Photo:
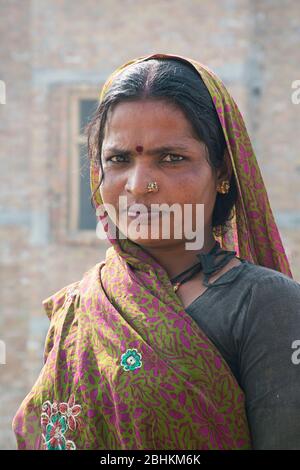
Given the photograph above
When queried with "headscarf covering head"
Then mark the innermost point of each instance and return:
(252, 231)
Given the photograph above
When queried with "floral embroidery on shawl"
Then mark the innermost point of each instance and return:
(131, 360)
(56, 420)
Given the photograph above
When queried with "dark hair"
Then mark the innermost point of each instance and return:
(178, 83)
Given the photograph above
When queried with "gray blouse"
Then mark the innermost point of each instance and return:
(252, 314)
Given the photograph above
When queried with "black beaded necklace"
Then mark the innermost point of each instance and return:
(207, 264)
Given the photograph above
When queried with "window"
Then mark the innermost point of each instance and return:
(82, 217)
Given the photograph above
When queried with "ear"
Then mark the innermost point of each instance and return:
(225, 171)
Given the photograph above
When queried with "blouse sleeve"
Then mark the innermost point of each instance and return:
(269, 363)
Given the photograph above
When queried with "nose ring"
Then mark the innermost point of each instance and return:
(152, 186)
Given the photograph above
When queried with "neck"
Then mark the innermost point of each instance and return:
(175, 258)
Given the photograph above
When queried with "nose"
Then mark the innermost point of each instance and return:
(138, 178)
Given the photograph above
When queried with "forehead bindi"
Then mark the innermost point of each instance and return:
(139, 148)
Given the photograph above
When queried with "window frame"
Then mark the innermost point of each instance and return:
(75, 139)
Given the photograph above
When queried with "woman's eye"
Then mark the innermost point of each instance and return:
(169, 158)
(119, 158)
(174, 158)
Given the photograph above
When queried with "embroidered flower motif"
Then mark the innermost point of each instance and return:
(131, 360)
(70, 410)
(56, 420)
(55, 430)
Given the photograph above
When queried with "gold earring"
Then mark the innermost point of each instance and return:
(223, 188)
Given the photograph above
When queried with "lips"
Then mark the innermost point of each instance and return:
(146, 210)
(147, 213)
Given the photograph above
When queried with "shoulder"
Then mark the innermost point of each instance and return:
(272, 311)
(56, 301)
(265, 281)
(247, 280)
(67, 294)
(247, 277)
(268, 304)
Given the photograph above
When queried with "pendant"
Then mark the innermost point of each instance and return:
(176, 286)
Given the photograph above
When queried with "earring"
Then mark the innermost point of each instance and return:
(223, 188)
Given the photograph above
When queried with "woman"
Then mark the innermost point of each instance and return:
(164, 346)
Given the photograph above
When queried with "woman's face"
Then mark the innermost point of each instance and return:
(182, 173)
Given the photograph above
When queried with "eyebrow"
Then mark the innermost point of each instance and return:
(155, 151)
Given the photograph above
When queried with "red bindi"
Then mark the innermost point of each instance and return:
(139, 148)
